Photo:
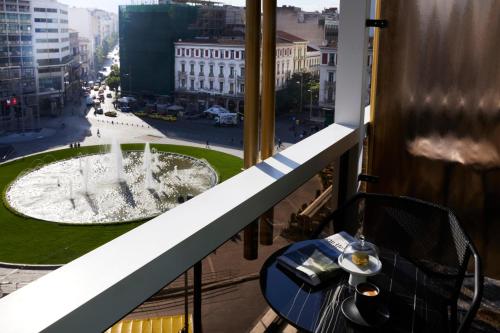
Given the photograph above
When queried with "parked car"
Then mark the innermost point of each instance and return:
(215, 111)
(108, 95)
(111, 114)
(89, 101)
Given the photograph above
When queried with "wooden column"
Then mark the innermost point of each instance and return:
(250, 131)
(268, 103)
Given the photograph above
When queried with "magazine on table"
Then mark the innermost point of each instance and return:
(316, 261)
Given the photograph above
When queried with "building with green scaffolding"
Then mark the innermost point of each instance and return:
(147, 36)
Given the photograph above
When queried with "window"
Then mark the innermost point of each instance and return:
(49, 84)
(46, 30)
(237, 54)
(178, 52)
(211, 85)
(202, 84)
(231, 88)
(46, 20)
(332, 61)
(227, 54)
(183, 68)
(231, 70)
(221, 70)
(242, 72)
(47, 50)
(212, 70)
(216, 53)
(221, 86)
(66, 48)
(232, 54)
(192, 69)
(197, 52)
(331, 77)
(51, 10)
(242, 88)
(206, 53)
(39, 10)
(183, 83)
(64, 13)
(183, 52)
(192, 85)
(201, 69)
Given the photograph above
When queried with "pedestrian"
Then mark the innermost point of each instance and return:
(78, 144)
(207, 145)
(98, 133)
(279, 143)
(71, 145)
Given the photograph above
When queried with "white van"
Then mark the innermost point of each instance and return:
(226, 119)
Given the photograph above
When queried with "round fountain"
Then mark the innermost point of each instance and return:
(109, 187)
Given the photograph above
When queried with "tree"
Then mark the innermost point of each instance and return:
(113, 80)
(288, 98)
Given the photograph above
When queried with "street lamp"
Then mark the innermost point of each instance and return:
(301, 82)
(310, 103)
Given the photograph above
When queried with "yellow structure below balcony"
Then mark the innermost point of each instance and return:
(167, 324)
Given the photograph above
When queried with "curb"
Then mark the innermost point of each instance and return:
(30, 266)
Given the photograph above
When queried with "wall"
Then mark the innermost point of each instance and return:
(437, 111)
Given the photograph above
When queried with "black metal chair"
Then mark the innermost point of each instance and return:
(427, 235)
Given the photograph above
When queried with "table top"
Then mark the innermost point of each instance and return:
(408, 293)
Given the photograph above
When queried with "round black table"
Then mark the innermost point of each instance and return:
(405, 289)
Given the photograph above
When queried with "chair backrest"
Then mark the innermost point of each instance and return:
(426, 234)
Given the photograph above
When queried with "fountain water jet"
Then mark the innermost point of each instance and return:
(117, 157)
(71, 190)
(85, 176)
(146, 162)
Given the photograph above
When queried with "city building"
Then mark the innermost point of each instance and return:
(299, 52)
(82, 20)
(74, 72)
(313, 59)
(328, 74)
(18, 99)
(147, 36)
(52, 53)
(314, 27)
(85, 57)
(211, 72)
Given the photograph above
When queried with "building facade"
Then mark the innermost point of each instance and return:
(211, 72)
(313, 60)
(73, 74)
(85, 57)
(52, 54)
(18, 99)
(328, 74)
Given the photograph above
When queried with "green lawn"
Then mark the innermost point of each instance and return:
(27, 240)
